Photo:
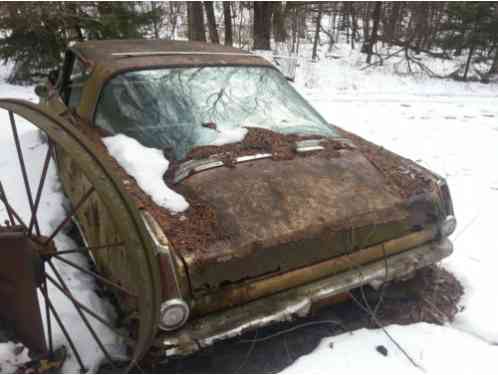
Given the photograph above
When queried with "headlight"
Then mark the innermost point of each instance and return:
(448, 225)
(174, 314)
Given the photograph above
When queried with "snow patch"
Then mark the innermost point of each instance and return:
(12, 356)
(226, 136)
(435, 349)
(147, 166)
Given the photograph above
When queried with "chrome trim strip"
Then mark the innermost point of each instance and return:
(242, 159)
(166, 53)
(286, 306)
(309, 148)
(161, 248)
(194, 166)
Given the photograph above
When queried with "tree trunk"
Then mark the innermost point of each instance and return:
(467, 64)
(195, 15)
(345, 20)
(155, 20)
(393, 22)
(494, 65)
(262, 24)
(211, 21)
(375, 27)
(354, 26)
(366, 27)
(317, 32)
(173, 18)
(294, 30)
(279, 31)
(227, 15)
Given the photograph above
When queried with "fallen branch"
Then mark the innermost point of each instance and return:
(406, 44)
(382, 60)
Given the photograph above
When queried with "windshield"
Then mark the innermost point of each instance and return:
(181, 108)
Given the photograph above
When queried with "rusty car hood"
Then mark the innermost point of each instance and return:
(286, 214)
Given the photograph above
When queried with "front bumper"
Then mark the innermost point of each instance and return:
(296, 302)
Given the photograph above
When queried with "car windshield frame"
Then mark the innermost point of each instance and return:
(329, 130)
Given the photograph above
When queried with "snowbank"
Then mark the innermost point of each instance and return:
(147, 166)
(435, 349)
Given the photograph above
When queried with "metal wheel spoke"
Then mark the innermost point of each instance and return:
(63, 328)
(23, 167)
(82, 315)
(96, 275)
(10, 210)
(3, 198)
(40, 189)
(86, 249)
(44, 291)
(120, 234)
(88, 311)
(70, 215)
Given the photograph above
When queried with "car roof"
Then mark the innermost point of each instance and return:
(152, 52)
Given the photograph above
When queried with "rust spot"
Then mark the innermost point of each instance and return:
(197, 228)
(402, 175)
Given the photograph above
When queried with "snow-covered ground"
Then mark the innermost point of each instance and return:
(450, 127)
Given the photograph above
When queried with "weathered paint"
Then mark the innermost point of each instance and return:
(253, 289)
(282, 215)
(296, 302)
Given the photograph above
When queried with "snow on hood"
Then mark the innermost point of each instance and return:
(226, 136)
(147, 166)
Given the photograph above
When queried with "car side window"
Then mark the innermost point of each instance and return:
(75, 83)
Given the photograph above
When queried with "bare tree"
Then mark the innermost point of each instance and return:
(317, 32)
(373, 38)
(195, 15)
(211, 21)
(262, 24)
(279, 15)
(227, 16)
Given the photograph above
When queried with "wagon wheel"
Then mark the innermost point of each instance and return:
(25, 240)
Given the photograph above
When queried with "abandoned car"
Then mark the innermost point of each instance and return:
(270, 211)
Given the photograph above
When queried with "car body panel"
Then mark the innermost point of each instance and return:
(286, 223)
(297, 302)
(281, 215)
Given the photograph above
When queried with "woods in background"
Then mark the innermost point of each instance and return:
(34, 35)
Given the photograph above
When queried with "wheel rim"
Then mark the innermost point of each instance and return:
(135, 245)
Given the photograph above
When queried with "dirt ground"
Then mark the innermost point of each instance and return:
(431, 296)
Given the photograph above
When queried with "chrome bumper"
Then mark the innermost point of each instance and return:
(296, 302)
